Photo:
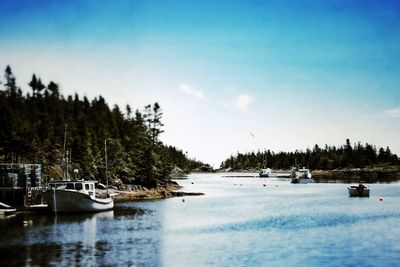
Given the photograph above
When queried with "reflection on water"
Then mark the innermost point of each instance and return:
(47, 239)
(239, 222)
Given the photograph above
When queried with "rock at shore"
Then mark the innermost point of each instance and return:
(204, 168)
(177, 173)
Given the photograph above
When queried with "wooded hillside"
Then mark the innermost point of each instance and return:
(327, 158)
(33, 128)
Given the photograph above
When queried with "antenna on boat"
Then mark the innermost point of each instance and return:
(266, 160)
(105, 153)
(66, 168)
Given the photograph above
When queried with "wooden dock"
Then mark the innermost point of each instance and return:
(6, 209)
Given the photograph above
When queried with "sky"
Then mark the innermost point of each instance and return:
(230, 76)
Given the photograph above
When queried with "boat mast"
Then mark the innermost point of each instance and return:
(64, 163)
(105, 153)
(266, 160)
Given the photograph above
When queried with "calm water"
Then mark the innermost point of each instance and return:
(239, 222)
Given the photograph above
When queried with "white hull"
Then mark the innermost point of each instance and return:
(355, 191)
(72, 201)
(265, 172)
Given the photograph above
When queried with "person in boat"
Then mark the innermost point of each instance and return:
(360, 188)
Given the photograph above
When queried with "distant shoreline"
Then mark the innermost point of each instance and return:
(373, 175)
(369, 175)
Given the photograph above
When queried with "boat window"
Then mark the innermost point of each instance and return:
(70, 186)
(78, 186)
(86, 186)
(91, 186)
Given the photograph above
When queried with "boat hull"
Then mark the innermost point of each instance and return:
(265, 172)
(302, 180)
(72, 201)
(355, 191)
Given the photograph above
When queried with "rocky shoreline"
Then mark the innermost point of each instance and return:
(369, 175)
(136, 192)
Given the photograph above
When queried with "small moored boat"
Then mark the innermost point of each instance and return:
(359, 190)
(301, 176)
(265, 172)
(76, 196)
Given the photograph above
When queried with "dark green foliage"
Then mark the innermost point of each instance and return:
(33, 126)
(328, 158)
(152, 117)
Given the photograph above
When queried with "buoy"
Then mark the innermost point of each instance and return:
(264, 185)
(183, 200)
(381, 199)
(276, 185)
(192, 182)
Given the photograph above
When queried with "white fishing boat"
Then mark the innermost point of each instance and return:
(359, 190)
(265, 172)
(76, 196)
(301, 176)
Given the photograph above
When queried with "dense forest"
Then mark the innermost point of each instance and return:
(327, 158)
(34, 126)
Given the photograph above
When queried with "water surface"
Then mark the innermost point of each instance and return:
(239, 222)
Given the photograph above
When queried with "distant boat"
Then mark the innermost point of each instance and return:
(359, 190)
(75, 196)
(265, 172)
(301, 176)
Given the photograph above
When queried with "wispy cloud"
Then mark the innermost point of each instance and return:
(187, 89)
(393, 112)
(241, 103)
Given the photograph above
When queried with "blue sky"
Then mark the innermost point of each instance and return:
(291, 73)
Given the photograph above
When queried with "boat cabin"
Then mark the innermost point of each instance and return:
(86, 187)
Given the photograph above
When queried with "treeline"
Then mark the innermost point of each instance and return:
(327, 158)
(32, 129)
